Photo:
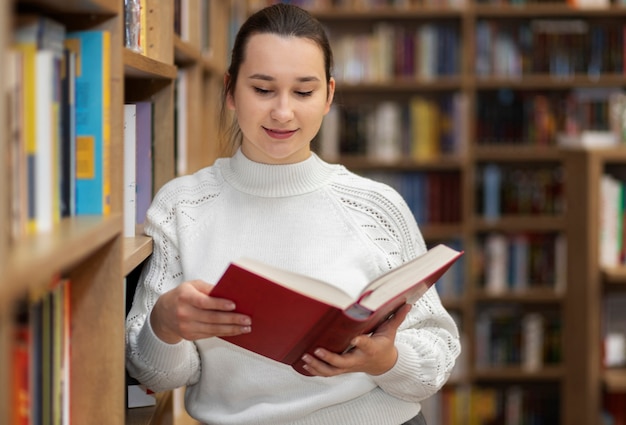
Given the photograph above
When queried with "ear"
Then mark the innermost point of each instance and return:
(331, 95)
(230, 101)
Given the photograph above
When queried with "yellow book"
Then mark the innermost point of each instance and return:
(40, 41)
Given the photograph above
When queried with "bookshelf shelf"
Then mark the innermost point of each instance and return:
(140, 66)
(135, 251)
(100, 7)
(78, 238)
(547, 10)
(503, 374)
(531, 223)
(401, 86)
(548, 82)
(529, 296)
(185, 53)
(382, 13)
(442, 231)
(362, 162)
(614, 275)
(517, 153)
(615, 379)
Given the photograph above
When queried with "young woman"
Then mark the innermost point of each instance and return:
(276, 201)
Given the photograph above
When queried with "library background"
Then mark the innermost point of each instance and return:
(502, 123)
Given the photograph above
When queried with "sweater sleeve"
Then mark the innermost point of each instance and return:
(154, 363)
(428, 345)
(428, 341)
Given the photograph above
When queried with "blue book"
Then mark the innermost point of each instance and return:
(93, 185)
(492, 181)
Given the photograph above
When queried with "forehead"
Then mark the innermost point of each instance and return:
(277, 55)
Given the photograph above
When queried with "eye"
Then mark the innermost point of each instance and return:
(304, 93)
(261, 91)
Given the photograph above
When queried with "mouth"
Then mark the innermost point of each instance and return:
(279, 134)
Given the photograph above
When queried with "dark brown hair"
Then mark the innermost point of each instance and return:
(285, 20)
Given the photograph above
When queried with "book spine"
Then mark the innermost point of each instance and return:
(93, 186)
(130, 174)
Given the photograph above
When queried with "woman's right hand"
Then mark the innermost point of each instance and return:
(189, 312)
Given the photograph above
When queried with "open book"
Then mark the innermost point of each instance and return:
(293, 314)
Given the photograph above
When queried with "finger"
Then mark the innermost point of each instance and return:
(200, 297)
(317, 367)
(214, 317)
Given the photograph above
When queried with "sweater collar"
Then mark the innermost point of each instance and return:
(270, 180)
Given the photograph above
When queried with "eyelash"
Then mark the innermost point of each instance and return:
(299, 93)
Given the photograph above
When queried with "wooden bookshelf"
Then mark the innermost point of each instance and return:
(93, 254)
(90, 250)
(588, 284)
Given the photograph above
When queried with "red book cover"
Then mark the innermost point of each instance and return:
(294, 314)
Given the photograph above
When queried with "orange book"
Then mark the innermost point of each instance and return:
(20, 369)
(293, 314)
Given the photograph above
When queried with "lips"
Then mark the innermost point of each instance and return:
(279, 134)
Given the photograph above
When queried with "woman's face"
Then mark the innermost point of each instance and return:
(280, 98)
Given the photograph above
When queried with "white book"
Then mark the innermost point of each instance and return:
(130, 173)
(45, 113)
(532, 341)
(496, 264)
(384, 138)
(181, 127)
(589, 139)
(610, 207)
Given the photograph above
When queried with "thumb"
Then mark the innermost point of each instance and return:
(392, 324)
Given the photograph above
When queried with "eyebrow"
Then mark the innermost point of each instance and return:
(269, 78)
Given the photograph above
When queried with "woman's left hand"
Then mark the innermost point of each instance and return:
(373, 354)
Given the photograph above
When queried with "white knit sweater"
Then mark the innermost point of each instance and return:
(313, 218)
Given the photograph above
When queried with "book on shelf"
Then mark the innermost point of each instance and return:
(181, 117)
(293, 314)
(39, 39)
(67, 168)
(93, 99)
(130, 167)
(17, 171)
(143, 157)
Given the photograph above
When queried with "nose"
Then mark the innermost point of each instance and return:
(282, 110)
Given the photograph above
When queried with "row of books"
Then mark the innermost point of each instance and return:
(511, 189)
(507, 336)
(433, 197)
(520, 262)
(548, 118)
(488, 405)
(393, 52)
(421, 128)
(559, 47)
(60, 131)
(41, 358)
